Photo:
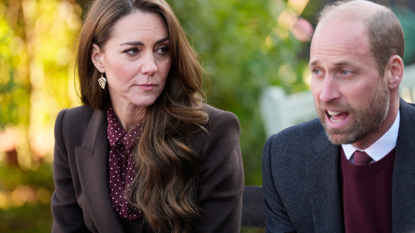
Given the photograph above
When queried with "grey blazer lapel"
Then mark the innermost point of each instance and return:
(91, 162)
(324, 180)
(403, 181)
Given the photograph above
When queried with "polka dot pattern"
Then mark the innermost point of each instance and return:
(121, 165)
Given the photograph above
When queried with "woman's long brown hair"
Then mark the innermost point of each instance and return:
(165, 187)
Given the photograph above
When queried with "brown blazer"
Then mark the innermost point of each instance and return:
(81, 202)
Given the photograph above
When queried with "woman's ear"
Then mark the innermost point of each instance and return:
(98, 58)
(394, 71)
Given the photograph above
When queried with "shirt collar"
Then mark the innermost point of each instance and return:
(381, 147)
(117, 134)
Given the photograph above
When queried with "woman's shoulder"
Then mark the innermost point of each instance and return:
(73, 124)
(220, 117)
(80, 111)
(222, 125)
(74, 118)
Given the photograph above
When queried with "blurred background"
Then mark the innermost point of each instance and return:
(245, 46)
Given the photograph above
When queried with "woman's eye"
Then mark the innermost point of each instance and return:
(132, 51)
(162, 50)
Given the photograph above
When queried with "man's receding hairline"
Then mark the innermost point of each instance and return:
(380, 24)
(353, 9)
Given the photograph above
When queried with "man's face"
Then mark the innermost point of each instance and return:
(351, 98)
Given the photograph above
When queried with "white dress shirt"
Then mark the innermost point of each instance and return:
(381, 147)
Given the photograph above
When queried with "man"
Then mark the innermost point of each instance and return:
(353, 169)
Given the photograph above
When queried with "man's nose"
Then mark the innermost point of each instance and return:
(329, 90)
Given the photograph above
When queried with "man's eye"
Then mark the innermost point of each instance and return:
(317, 71)
(346, 72)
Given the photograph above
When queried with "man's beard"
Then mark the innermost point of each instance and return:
(366, 119)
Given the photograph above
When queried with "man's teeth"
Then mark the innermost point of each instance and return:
(331, 114)
(334, 120)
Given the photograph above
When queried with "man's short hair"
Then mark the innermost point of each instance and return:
(384, 32)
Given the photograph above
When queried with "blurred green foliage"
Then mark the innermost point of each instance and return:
(36, 81)
(243, 48)
(28, 193)
(7, 72)
(407, 18)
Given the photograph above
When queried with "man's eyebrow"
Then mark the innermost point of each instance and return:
(140, 43)
(313, 62)
(341, 63)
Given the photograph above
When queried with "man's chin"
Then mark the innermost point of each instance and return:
(337, 136)
(336, 139)
(342, 138)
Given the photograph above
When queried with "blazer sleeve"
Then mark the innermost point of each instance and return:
(67, 215)
(277, 220)
(222, 179)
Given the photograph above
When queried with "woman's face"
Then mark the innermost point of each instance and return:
(136, 60)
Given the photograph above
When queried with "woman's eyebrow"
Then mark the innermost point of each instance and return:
(136, 43)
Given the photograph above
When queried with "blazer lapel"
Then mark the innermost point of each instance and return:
(324, 179)
(403, 181)
(92, 159)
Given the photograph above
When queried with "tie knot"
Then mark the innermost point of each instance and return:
(361, 158)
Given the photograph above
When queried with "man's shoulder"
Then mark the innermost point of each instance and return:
(407, 109)
(294, 145)
(304, 131)
(287, 155)
(407, 122)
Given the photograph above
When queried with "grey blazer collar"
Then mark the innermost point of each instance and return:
(403, 183)
(324, 180)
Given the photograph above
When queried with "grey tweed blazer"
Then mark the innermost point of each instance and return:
(81, 201)
(301, 179)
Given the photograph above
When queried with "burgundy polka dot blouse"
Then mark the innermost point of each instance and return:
(121, 165)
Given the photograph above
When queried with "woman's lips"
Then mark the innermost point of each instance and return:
(147, 87)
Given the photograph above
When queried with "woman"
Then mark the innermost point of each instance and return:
(144, 153)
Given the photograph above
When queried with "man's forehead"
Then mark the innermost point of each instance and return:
(353, 10)
(341, 40)
(340, 34)
(339, 28)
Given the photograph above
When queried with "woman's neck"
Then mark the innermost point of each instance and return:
(128, 115)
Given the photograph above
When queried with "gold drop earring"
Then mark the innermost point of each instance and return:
(102, 81)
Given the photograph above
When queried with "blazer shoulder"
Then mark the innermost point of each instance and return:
(76, 113)
(222, 126)
(407, 114)
(304, 132)
(293, 147)
(218, 117)
(72, 122)
(222, 123)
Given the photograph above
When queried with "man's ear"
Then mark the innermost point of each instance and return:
(97, 58)
(394, 71)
